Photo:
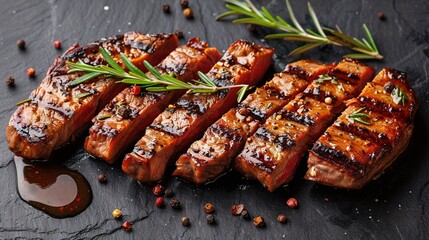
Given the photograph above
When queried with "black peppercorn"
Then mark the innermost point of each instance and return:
(168, 192)
(20, 43)
(184, 3)
(102, 178)
(381, 16)
(174, 203)
(10, 81)
(179, 34)
(282, 218)
(124, 111)
(185, 221)
(251, 27)
(210, 219)
(245, 215)
(166, 8)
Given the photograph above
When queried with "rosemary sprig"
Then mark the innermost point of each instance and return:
(399, 96)
(358, 116)
(325, 77)
(366, 48)
(157, 82)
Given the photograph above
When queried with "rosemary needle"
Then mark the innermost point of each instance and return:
(157, 82)
(365, 48)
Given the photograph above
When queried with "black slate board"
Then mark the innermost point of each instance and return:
(396, 206)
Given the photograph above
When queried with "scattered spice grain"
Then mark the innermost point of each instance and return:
(187, 12)
(117, 213)
(10, 81)
(185, 221)
(127, 226)
(209, 208)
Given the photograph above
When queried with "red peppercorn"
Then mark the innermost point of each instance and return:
(158, 190)
(127, 226)
(31, 72)
(236, 210)
(136, 90)
(57, 44)
(292, 203)
(159, 202)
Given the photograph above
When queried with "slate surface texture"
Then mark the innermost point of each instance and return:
(396, 206)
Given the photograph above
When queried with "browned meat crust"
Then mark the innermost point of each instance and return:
(129, 115)
(272, 154)
(55, 116)
(182, 122)
(211, 156)
(350, 154)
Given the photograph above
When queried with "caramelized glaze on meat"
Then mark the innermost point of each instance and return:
(55, 115)
(209, 157)
(123, 121)
(182, 122)
(272, 154)
(350, 154)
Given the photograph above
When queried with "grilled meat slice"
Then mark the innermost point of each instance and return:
(211, 156)
(352, 152)
(56, 115)
(123, 121)
(272, 154)
(181, 123)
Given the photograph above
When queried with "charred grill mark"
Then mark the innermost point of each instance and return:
(169, 129)
(398, 75)
(224, 131)
(258, 159)
(384, 109)
(273, 91)
(318, 94)
(176, 69)
(197, 44)
(190, 106)
(295, 117)
(344, 75)
(254, 112)
(338, 158)
(32, 133)
(283, 141)
(380, 139)
(144, 153)
(298, 71)
(144, 46)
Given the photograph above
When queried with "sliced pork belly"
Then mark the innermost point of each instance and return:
(182, 122)
(123, 121)
(55, 115)
(272, 154)
(352, 152)
(210, 156)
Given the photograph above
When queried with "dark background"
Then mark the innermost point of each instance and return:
(396, 206)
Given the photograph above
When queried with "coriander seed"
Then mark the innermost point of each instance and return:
(117, 213)
(187, 12)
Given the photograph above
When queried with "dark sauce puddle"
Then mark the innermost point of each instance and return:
(52, 188)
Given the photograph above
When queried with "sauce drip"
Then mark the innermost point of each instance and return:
(52, 188)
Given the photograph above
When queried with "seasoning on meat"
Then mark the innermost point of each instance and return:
(55, 116)
(351, 153)
(274, 151)
(111, 138)
(209, 157)
(174, 129)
